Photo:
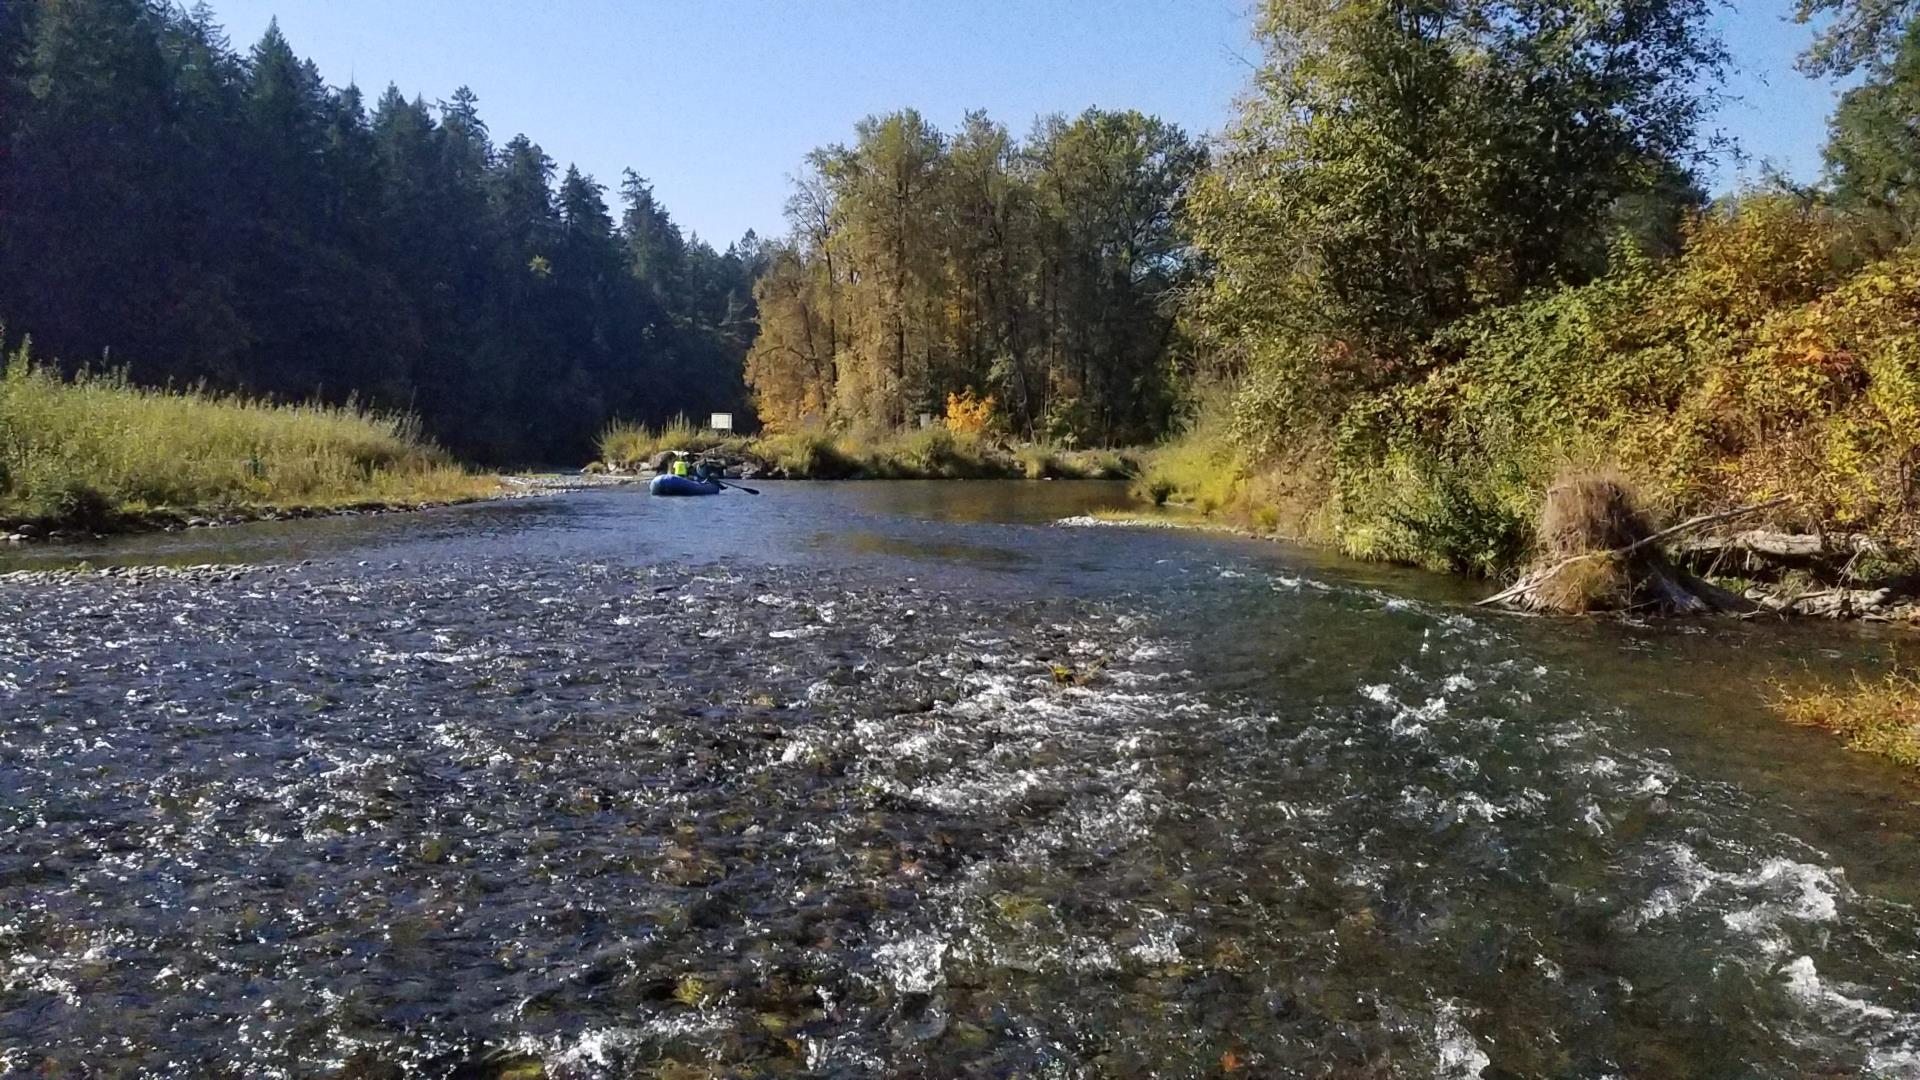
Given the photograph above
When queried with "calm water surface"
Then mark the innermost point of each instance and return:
(933, 779)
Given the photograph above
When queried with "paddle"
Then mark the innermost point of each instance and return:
(736, 487)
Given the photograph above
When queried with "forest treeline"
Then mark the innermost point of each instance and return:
(1044, 274)
(191, 213)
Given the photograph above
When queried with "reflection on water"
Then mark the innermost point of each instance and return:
(873, 779)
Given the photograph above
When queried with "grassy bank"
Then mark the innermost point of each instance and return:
(933, 453)
(96, 452)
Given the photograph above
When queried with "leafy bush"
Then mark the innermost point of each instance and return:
(807, 454)
(1038, 461)
(1751, 368)
(933, 453)
(71, 501)
(1204, 468)
(968, 415)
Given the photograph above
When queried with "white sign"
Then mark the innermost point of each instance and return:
(722, 421)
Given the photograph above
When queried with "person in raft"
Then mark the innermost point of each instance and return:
(701, 471)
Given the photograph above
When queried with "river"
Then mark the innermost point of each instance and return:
(894, 778)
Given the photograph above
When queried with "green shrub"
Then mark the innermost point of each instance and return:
(1037, 461)
(70, 501)
(1203, 467)
(807, 455)
(1752, 366)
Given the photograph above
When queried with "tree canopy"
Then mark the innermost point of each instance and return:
(1043, 273)
(195, 213)
(1399, 164)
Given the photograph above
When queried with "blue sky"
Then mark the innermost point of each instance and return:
(717, 101)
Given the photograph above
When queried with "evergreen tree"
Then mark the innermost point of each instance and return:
(203, 215)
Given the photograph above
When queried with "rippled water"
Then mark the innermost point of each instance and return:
(859, 780)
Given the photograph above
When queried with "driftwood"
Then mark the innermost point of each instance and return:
(1780, 545)
(1879, 604)
(1649, 580)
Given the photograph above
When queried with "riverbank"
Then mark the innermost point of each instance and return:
(94, 454)
(1769, 365)
(932, 453)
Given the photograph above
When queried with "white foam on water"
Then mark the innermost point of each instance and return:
(1160, 944)
(1785, 891)
(1805, 986)
(1457, 1052)
(1694, 881)
(1805, 893)
(1899, 1064)
(914, 964)
(597, 1047)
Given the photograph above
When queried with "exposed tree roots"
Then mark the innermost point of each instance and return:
(1601, 556)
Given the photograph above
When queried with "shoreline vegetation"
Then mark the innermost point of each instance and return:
(943, 451)
(1769, 365)
(94, 453)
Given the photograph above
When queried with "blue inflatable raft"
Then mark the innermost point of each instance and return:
(669, 484)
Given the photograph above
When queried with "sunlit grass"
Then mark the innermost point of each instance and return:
(1201, 468)
(95, 444)
(1880, 716)
(631, 446)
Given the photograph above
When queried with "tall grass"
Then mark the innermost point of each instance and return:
(630, 446)
(1201, 468)
(84, 446)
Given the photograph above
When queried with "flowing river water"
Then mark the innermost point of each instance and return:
(930, 779)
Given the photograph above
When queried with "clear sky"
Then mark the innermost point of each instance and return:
(717, 101)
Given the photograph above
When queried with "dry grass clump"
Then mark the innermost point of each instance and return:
(1878, 717)
(1581, 519)
(1599, 583)
(1589, 512)
(1596, 555)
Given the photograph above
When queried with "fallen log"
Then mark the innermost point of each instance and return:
(1781, 545)
(1828, 603)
